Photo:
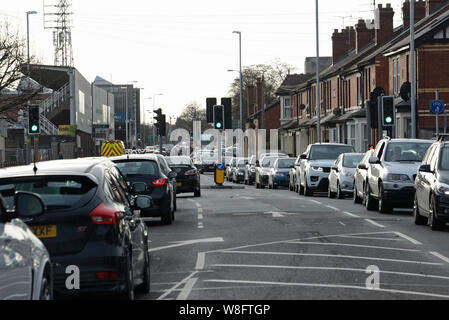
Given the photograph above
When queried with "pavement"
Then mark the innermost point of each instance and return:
(249, 244)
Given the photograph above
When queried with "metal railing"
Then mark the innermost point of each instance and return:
(48, 127)
(56, 99)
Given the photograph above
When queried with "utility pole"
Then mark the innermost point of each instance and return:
(412, 67)
(241, 79)
(318, 102)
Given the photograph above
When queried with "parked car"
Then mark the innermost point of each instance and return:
(313, 173)
(149, 169)
(206, 160)
(250, 171)
(431, 204)
(341, 177)
(188, 178)
(391, 173)
(238, 173)
(292, 186)
(361, 176)
(262, 169)
(91, 222)
(273, 154)
(279, 175)
(25, 265)
(229, 168)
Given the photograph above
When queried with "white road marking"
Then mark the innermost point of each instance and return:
(318, 285)
(197, 204)
(369, 238)
(342, 223)
(436, 254)
(200, 210)
(332, 256)
(354, 245)
(169, 291)
(200, 216)
(375, 223)
(317, 202)
(408, 238)
(333, 208)
(185, 292)
(351, 214)
(200, 261)
(200, 225)
(186, 243)
(329, 269)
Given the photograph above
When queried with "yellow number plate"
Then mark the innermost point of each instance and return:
(45, 232)
(179, 184)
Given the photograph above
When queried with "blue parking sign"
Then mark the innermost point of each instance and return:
(437, 106)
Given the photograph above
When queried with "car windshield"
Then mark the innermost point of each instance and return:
(352, 160)
(137, 168)
(406, 151)
(268, 162)
(329, 152)
(242, 164)
(56, 192)
(178, 161)
(444, 162)
(286, 163)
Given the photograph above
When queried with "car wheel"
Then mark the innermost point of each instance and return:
(46, 289)
(340, 194)
(307, 191)
(175, 204)
(197, 193)
(434, 223)
(144, 288)
(384, 206)
(300, 189)
(128, 293)
(356, 197)
(418, 219)
(369, 200)
(167, 215)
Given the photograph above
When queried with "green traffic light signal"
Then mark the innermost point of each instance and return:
(388, 120)
(34, 128)
(218, 125)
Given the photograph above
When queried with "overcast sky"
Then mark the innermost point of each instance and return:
(183, 49)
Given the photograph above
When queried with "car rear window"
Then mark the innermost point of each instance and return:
(179, 161)
(286, 163)
(137, 168)
(56, 192)
(242, 164)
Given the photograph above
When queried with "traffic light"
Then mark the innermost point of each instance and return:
(218, 117)
(227, 103)
(163, 126)
(210, 102)
(158, 112)
(388, 113)
(33, 120)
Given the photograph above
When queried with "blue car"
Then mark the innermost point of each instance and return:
(279, 175)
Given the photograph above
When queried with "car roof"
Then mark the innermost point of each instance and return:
(78, 167)
(409, 140)
(331, 144)
(147, 156)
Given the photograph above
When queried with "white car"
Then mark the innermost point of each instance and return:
(341, 177)
(25, 267)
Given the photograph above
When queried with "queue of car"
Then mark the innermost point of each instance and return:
(86, 218)
(396, 174)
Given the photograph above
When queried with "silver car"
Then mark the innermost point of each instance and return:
(316, 162)
(341, 178)
(25, 267)
(391, 173)
(262, 170)
(361, 176)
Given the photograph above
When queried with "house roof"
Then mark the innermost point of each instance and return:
(291, 82)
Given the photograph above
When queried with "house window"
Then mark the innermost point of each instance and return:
(333, 135)
(287, 108)
(351, 134)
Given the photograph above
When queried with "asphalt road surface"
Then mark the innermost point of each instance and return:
(249, 244)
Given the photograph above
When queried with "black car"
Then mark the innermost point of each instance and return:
(432, 188)
(169, 173)
(188, 177)
(91, 222)
(150, 170)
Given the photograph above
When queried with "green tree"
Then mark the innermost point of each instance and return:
(194, 111)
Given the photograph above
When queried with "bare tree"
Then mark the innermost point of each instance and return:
(193, 111)
(274, 74)
(12, 60)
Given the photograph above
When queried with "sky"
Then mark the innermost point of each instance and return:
(184, 49)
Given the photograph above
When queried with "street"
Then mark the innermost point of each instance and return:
(253, 244)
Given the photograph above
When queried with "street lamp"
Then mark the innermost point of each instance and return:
(29, 83)
(241, 78)
(145, 120)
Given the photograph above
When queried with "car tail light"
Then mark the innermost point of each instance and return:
(107, 275)
(190, 172)
(104, 215)
(160, 182)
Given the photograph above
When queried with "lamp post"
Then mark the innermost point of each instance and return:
(241, 79)
(412, 68)
(145, 141)
(29, 71)
(318, 96)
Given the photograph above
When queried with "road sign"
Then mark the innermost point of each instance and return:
(437, 106)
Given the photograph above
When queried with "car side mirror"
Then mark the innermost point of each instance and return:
(172, 175)
(374, 160)
(139, 187)
(28, 205)
(303, 157)
(143, 202)
(425, 168)
(257, 164)
(362, 166)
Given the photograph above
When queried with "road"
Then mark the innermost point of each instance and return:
(249, 244)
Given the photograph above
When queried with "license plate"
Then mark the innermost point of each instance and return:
(45, 232)
(179, 184)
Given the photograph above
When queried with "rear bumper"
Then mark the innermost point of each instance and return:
(187, 186)
(281, 181)
(404, 196)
